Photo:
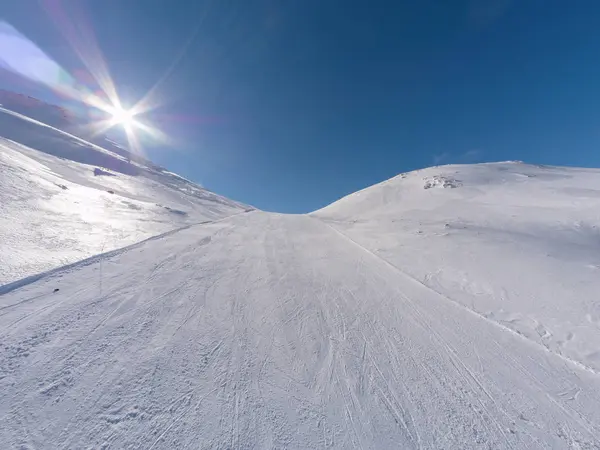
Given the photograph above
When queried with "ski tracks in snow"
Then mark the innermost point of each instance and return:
(273, 331)
(427, 314)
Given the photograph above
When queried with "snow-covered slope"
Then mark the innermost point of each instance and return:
(516, 243)
(63, 199)
(397, 317)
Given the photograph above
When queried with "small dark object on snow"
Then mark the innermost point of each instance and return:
(62, 186)
(111, 192)
(56, 290)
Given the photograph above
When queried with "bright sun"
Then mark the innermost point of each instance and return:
(122, 117)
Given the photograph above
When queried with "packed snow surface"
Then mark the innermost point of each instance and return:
(517, 244)
(63, 199)
(454, 307)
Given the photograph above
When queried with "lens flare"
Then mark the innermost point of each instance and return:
(92, 85)
(21, 56)
(122, 117)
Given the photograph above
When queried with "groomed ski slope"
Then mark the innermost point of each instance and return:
(273, 331)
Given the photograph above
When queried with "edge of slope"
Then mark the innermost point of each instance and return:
(14, 285)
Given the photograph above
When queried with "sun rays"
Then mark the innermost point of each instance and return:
(101, 104)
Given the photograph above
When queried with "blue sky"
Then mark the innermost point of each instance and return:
(289, 105)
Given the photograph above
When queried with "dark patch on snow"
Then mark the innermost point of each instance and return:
(172, 210)
(131, 205)
(175, 211)
(100, 172)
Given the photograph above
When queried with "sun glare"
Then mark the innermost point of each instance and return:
(22, 56)
(122, 117)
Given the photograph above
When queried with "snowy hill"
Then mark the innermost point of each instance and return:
(63, 199)
(453, 307)
(518, 244)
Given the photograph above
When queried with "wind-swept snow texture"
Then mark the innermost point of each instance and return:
(401, 317)
(63, 199)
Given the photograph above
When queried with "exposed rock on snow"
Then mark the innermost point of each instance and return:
(439, 181)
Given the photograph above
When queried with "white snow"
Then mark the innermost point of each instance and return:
(54, 210)
(453, 307)
(515, 243)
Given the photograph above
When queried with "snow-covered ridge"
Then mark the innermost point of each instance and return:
(63, 199)
(477, 181)
(516, 243)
